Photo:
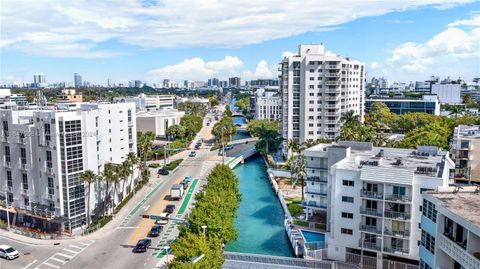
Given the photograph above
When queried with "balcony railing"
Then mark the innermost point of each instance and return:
(314, 204)
(371, 194)
(25, 192)
(50, 197)
(316, 191)
(370, 229)
(397, 250)
(317, 179)
(332, 98)
(10, 188)
(332, 75)
(370, 212)
(397, 215)
(332, 82)
(50, 171)
(456, 251)
(332, 66)
(398, 197)
(29, 210)
(332, 90)
(23, 166)
(404, 233)
(369, 245)
(7, 164)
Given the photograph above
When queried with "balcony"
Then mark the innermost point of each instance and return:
(313, 204)
(332, 90)
(332, 98)
(398, 197)
(457, 252)
(316, 191)
(7, 164)
(370, 229)
(397, 250)
(21, 140)
(332, 83)
(23, 166)
(371, 195)
(10, 189)
(37, 210)
(332, 66)
(317, 179)
(50, 197)
(50, 171)
(331, 106)
(332, 75)
(397, 215)
(369, 245)
(25, 192)
(370, 212)
(403, 234)
(335, 129)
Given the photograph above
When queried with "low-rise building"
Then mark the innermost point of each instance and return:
(464, 152)
(9, 99)
(371, 197)
(399, 105)
(450, 229)
(45, 150)
(158, 121)
(69, 96)
(148, 102)
(268, 107)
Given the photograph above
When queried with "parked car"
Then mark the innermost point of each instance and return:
(8, 252)
(161, 222)
(228, 147)
(187, 179)
(142, 245)
(163, 171)
(169, 209)
(197, 146)
(155, 231)
(192, 154)
(165, 216)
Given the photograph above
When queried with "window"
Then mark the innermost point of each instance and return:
(398, 191)
(349, 183)
(25, 181)
(9, 179)
(428, 242)
(424, 265)
(49, 159)
(51, 189)
(347, 231)
(347, 215)
(5, 128)
(429, 210)
(347, 199)
(23, 155)
(48, 137)
(7, 154)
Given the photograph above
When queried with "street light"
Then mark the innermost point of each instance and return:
(363, 241)
(204, 228)
(197, 259)
(8, 215)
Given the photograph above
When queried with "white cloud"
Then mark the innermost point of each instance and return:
(453, 52)
(262, 71)
(198, 69)
(78, 28)
(288, 53)
(468, 22)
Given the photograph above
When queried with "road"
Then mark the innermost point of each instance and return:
(111, 247)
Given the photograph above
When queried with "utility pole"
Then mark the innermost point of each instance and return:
(165, 156)
(223, 149)
(361, 254)
(8, 215)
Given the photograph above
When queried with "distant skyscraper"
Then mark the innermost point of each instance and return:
(109, 83)
(77, 80)
(138, 83)
(234, 82)
(38, 80)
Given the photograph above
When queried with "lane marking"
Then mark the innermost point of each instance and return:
(51, 265)
(69, 250)
(30, 264)
(146, 207)
(64, 255)
(73, 246)
(58, 260)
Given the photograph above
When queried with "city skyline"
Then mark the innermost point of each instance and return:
(400, 40)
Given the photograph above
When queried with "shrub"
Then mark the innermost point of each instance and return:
(295, 209)
(172, 165)
(300, 222)
(154, 165)
(320, 226)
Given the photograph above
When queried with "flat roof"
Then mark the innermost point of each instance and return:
(466, 205)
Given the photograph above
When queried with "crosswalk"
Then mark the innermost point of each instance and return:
(60, 258)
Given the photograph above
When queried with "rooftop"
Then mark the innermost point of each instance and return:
(465, 203)
(467, 131)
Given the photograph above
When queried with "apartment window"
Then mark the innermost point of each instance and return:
(129, 115)
(428, 242)
(424, 265)
(51, 188)
(312, 70)
(96, 121)
(23, 155)
(9, 179)
(312, 78)
(7, 154)
(347, 215)
(25, 181)
(429, 210)
(27, 202)
(398, 191)
(347, 199)
(349, 183)
(347, 231)
(5, 128)
(48, 137)
(49, 159)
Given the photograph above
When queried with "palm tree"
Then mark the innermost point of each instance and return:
(293, 146)
(132, 160)
(350, 118)
(108, 175)
(296, 165)
(455, 110)
(123, 172)
(88, 177)
(308, 144)
(145, 143)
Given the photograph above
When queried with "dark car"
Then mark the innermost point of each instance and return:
(197, 146)
(169, 209)
(163, 171)
(142, 245)
(185, 185)
(192, 154)
(155, 231)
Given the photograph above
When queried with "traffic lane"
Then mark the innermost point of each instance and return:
(30, 255)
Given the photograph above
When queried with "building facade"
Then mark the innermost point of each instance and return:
(317, 88)
(448, 93)
(371, 197)
(234, 82)
(148, 102)
(268, 108)
(463, 151)
(158, 121)
(77, 80)
(69, 96)
(427, 104)
(450, 229)
(9, 99)
(44, 151)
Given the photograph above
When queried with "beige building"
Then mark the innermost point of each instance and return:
(463, 151)
(69, 96)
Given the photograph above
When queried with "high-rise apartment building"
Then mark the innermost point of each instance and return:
(44, 151)
(234, 82)
(77, 80)
(372, 199)
(450, 228)
(317, 89)
(464, 152)
(39, 80)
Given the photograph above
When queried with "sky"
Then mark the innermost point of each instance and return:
(152, 40)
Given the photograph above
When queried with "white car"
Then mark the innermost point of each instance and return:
(8, 252)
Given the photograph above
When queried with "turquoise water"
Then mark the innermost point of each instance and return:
(313, 237)
(240, 134)
(260, 216)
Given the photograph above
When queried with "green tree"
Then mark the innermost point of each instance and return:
(176, 131)
(108, 176)
(89, 177)
(144, 144)
(244, 104)
(293, 146)
(213, 100)
(268, 134)
(226, 127)
(467, 100)
(228, 112)
(192, 124)
(193, 108)
(123, 172)
(133, 160)
(349, 118)
(296, 165)
(433, 134)
(455, 110)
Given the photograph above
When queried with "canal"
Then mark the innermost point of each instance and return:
(260, 216)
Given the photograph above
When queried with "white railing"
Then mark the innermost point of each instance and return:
(467, 260)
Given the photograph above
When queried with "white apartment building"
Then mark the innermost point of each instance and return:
(372, 196)
(148, 102)
(448, 93)
(464, 152)
(158, 121)
(451, 229)
(317, 88)
(43, 152)
(268, 107)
